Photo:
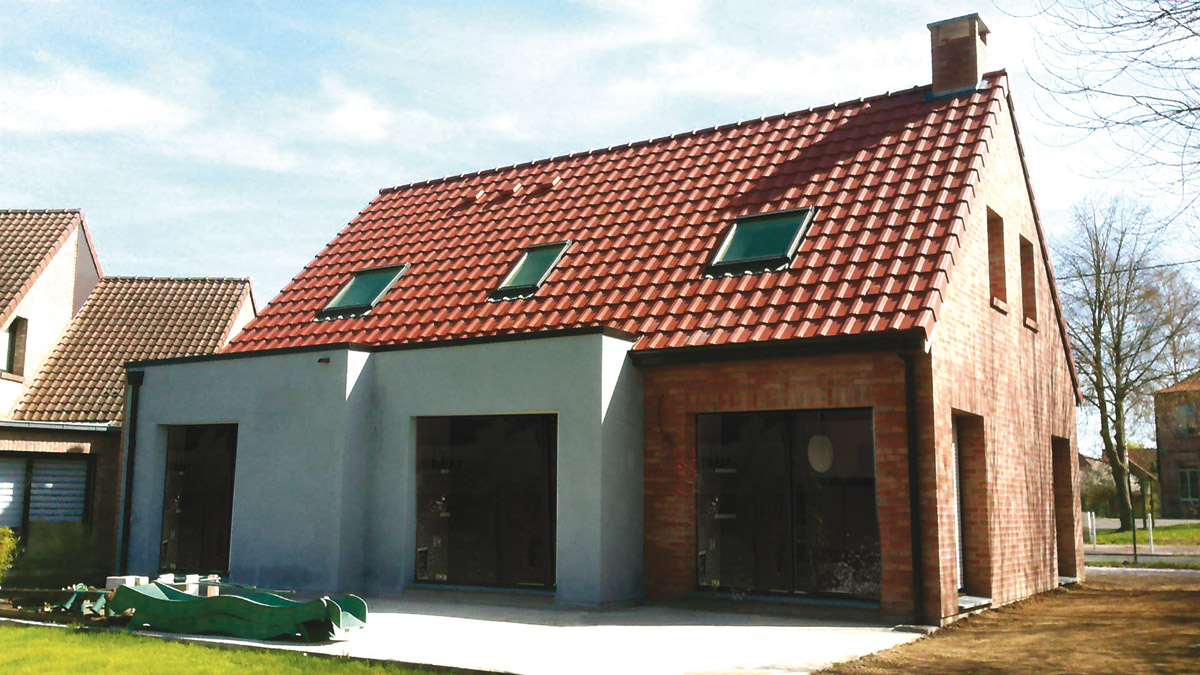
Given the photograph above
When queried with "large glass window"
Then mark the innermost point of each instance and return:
(486, 500)
(786, 503)
(761, 242)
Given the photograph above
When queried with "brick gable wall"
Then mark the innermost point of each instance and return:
(989, 361)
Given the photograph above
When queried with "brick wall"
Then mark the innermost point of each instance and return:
(106, 479)
(1176, 450)
(992, 363)
(675, 394)
(48, 307)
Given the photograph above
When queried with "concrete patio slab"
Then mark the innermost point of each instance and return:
(532, 636)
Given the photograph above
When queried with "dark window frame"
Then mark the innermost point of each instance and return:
(14, 358)
(508, 292)
(718, 267)
(1185, 485)
(358, 309)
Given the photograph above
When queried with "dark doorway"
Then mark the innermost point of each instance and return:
(1066, 507)
(486, 500)
(786, 503)
(198, 499)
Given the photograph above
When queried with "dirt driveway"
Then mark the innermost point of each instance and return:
(1118, 622)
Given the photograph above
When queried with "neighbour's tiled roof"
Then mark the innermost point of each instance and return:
(128, 319)
(28, 240)
(1190, 383)
(891, 179)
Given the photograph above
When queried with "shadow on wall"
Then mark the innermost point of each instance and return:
(56, 555)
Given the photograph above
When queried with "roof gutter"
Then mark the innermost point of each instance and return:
(135, 378)
(913, 339)
(58, 426)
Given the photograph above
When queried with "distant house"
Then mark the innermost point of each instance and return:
(818, 354)
(68, 330)
(1177, 428)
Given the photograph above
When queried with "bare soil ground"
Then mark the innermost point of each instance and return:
(1119, 621)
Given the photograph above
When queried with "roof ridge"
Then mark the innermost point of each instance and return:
(11, 211)
(138, 277)
(658, 139)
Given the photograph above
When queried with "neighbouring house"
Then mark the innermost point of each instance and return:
(1177, 429)
(68, 330)
(1098, 491)
(818, 354)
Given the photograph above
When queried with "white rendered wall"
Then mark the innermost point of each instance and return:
(287, 493)
(324, 489)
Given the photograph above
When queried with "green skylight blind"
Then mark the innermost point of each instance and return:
(365, 289)
(762, 242)
(531, 270)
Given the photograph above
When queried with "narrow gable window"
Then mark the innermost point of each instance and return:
(996, 269)
(13, 351)
(760, 243)
(1028, 285)
(362, 292)
(530, 271)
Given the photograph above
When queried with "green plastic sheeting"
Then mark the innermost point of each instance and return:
(250, 614)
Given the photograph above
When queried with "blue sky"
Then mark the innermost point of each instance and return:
(235, 139)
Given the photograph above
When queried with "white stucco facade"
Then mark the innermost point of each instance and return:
(325, 476)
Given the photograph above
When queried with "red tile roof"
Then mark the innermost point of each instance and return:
(1189, 383)
(28, 240)
(128, 319)
(890, 177)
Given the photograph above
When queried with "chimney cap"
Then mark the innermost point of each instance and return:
(983, 29)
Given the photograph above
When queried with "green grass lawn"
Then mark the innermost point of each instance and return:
(1170, 535)
(36, 650)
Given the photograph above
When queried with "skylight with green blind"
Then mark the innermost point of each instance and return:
(364, 290)
(530, 271)
(760, 243)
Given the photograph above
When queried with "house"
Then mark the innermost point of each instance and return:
(818, 354)
(1177, 429)
(68, 329)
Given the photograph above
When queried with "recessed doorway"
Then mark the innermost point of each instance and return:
(198, 498)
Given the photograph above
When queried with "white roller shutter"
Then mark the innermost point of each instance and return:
(12, 490)
(59, 491)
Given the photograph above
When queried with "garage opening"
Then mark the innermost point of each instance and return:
(198, 498)
(786, 503)
(486, 500)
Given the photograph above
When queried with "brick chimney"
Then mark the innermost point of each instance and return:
(959, 48)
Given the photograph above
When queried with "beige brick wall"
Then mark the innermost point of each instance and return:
(48, 307)
(991, 362)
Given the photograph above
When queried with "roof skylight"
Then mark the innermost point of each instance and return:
(364, 290)
(530, 271)
(759, 243)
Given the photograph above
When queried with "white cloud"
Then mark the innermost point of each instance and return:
(78, 100)
(355, 115)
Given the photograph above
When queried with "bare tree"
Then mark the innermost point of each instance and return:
(1133, 320)
(1132, 68)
